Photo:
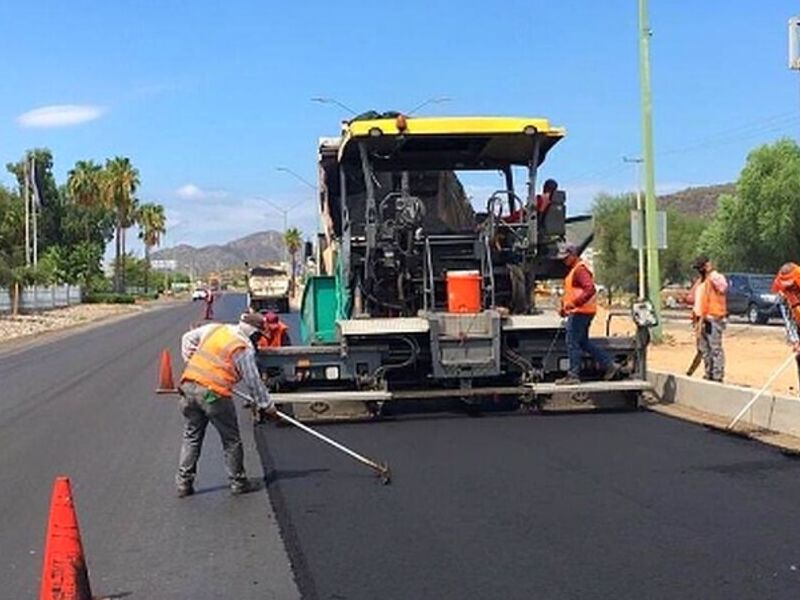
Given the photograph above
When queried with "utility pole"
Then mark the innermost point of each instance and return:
(27, 196)
(640, 251)
(35, 210)
(653, 273)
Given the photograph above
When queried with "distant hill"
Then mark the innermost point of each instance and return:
(264, 246)
(698, 201)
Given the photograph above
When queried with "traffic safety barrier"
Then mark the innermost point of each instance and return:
(64, 574)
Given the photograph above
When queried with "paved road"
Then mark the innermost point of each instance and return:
(601, 506)
(575, 506)
(83, 406)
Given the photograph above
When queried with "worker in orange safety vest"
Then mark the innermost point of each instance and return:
(709, 313)
(218, 357)
(787, 286)
(579, 305)
(276, 332)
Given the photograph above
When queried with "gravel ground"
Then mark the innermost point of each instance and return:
(22, 325)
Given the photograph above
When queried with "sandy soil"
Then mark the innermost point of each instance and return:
(752, 352)
(62, 318)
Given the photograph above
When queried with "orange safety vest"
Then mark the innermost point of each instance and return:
(713, 303)
(788, 286)
(212, 363)
(275, 340)
(571, 293)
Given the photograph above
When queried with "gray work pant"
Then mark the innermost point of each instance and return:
(709, 344)
(197, 413)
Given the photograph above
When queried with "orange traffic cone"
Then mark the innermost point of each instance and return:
(166, 385)
(64, 575)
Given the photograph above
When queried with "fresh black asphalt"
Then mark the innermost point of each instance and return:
(630, 505)
(605, 506)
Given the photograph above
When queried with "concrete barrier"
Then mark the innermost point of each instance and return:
(771, 411)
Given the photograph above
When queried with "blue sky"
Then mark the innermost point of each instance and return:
(208, 98)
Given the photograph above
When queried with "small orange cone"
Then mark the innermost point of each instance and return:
(166, 385)
(64, 575)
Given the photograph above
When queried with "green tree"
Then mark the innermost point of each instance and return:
(293, 240)
(119, 185)
(152, 225)
(616, 261)
(84, 189)
(758, 228)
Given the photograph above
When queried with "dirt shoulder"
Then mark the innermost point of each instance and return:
(19, 330)
(752, 352)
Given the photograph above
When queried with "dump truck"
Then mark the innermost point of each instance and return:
(268, 288)
(425, 296)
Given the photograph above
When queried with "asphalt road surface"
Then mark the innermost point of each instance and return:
(84, 406)
(616, 506)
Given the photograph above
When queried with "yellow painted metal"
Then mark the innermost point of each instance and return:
(454, 126)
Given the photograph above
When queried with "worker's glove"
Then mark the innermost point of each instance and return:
(266, 413)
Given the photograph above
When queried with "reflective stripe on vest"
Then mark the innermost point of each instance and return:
(212, 364)
(571, 292)
(714, 303)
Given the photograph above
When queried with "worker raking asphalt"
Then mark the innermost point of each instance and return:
(630, 505)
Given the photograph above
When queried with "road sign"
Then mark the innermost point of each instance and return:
(164, 264)
(637, 229)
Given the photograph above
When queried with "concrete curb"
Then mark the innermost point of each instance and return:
(772, 412)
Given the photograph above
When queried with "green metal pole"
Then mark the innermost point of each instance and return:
(653, 274)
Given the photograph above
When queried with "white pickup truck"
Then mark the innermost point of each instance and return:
(268, 288)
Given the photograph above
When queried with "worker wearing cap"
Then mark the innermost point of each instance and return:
(217, 358)
(579, 305)
(787, 286)
(709, 311)
(276, 332)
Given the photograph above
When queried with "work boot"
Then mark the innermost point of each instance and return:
(612, 372)
(185, 490)
(244, 486)
(568, 380)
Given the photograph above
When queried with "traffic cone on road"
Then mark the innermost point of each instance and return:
(64, 575)
(166, 385)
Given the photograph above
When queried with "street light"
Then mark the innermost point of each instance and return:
(335, 102)
(297, 176)
(429, 101)
(285, 212)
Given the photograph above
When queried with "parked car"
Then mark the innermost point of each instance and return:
(199, 294)
(750, 295)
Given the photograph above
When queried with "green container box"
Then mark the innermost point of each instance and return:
(318, 311)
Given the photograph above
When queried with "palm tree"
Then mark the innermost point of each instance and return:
(119, 185)
(152, 225)
(84, 187)
(293, 240)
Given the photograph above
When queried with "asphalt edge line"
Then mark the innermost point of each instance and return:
(301, 571)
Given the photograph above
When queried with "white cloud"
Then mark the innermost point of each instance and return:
(191, 191)
(60, 115)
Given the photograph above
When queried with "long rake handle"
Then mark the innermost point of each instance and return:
(382, 470)
(772, 378)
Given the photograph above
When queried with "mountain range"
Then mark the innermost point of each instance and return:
(257, 248)
(267, 246)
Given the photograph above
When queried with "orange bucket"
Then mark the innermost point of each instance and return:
(463, 291)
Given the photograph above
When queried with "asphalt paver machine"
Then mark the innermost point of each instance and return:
(425, 287)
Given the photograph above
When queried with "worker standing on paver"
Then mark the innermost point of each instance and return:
(276, 332)
(579, 305)
(787, 286)
(709, 311)
(218, 357)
